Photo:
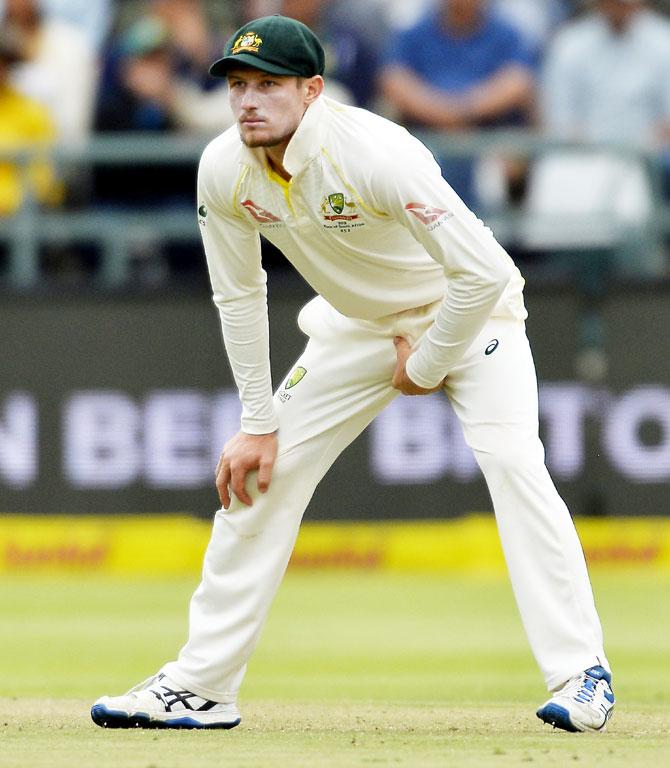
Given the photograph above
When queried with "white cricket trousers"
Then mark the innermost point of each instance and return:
(349, 365)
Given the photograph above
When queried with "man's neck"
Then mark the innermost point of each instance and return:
(275, 158)
(275, 154)
(461, 25)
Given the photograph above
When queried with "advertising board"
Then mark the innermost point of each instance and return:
(121, 405)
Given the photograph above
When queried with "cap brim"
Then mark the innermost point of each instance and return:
(220, 67)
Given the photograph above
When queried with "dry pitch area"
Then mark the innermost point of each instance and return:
(314, 735)
(353, 670)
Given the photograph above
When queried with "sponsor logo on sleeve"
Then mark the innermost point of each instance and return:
(202, 215)
(429, 215)
(260, 214)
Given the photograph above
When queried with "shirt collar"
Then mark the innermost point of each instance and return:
(305, 143)
(308, 139)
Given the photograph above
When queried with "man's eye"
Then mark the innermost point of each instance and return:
(269, 83)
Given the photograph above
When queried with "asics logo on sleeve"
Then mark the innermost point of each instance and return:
(491, 347)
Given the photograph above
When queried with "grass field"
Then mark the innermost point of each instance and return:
(354, 669)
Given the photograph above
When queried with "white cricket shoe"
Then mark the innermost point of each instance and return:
(160, 703)
(584, 703)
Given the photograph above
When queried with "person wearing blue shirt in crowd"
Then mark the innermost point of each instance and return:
(461, 67)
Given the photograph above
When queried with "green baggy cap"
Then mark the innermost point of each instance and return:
(275, 44)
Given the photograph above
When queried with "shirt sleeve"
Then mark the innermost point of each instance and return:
(239, 285)
(476, 266)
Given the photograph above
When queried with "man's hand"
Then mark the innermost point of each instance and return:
(243, 454)
(401, 380)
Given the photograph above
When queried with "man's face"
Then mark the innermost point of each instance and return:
(268, 108)
(306, 11)
(463, 14)
(619, 13)
(22, 11)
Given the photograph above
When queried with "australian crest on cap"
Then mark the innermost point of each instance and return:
(249, 42)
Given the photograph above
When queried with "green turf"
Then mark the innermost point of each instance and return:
(353, 669)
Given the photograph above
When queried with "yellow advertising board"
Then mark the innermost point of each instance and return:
(174, 545)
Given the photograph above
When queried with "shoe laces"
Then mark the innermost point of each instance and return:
(583, 689)
(146, 684)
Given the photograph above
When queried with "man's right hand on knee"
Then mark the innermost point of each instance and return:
(242, 454)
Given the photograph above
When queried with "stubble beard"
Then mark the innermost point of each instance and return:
(272, 141)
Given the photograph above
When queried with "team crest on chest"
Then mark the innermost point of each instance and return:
(336, 202)
(340, 212)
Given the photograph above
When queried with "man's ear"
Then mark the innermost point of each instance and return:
(313, 88)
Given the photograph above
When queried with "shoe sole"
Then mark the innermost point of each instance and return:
(559, 717)
(110, 718)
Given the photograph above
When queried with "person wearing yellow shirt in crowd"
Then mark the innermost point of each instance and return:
(24, 124)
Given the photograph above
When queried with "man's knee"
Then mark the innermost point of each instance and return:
(510, 458)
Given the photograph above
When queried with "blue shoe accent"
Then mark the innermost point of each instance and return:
(188, 722)
(110, 718)
(599, 673)
(557, 716)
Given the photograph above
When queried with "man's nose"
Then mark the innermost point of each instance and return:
(249, 99)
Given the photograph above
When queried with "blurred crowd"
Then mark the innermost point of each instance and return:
(595, 70)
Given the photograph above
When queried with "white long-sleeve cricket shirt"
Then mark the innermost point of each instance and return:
(368, 221)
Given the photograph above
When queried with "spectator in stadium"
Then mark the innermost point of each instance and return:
(139, 84)
(196, 101)
(460, 68)
(93, 17)
(607, 78)
(155, 76)
(191, 39)
(24, 124)
(155, 82)
(138, 80)
(60, 71)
